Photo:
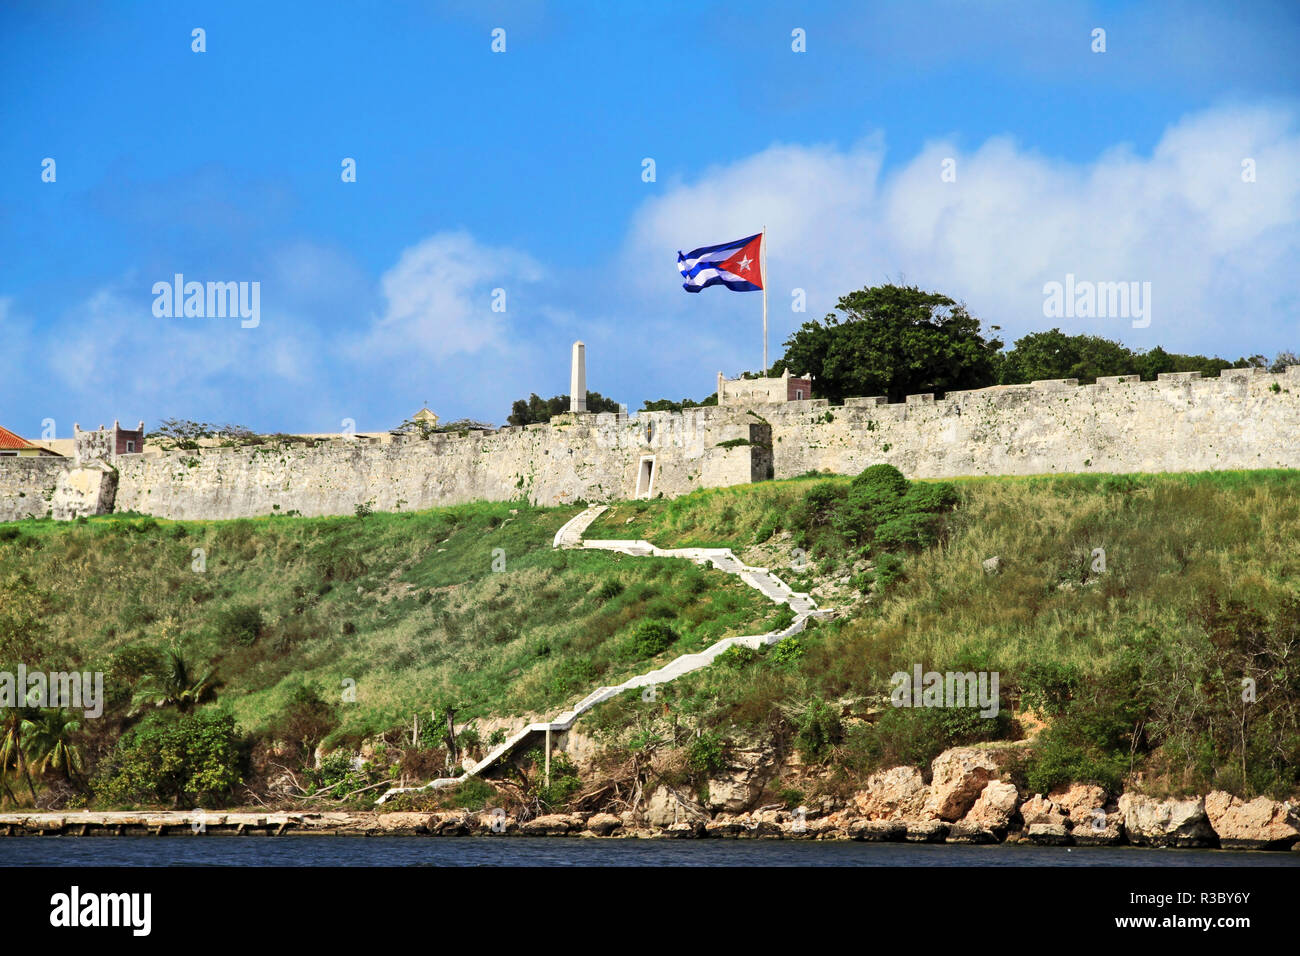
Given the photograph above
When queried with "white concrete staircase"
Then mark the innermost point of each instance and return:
(570, 536)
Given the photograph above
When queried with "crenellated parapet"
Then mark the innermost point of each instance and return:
(1242, 419)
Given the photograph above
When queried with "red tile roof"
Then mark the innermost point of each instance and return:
(10, 441)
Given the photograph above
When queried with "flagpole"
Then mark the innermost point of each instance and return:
(763, 267)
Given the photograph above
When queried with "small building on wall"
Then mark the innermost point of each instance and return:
(106, 444)
(764, 391)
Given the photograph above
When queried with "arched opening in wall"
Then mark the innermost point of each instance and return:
(645, 476)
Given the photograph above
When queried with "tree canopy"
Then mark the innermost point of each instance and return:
(535, 409)
(899, 340)
(892, 340)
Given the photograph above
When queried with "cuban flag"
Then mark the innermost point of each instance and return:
(737, 265)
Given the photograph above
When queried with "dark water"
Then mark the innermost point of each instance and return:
(560, 851)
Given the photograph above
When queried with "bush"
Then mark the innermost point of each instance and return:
(908, 530)
(871, 502)
(241, 624)
(770, 525)
(572, 674)
(817, 510)
(706, 754)
(786, 652)
(883, 478)
(191, 759)
(611, 589)
(817, 729)
(652, 638)
(889, 568)
(737, 655)
(305, 720)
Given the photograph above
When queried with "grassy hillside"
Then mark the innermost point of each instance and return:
(1133, 660)
(1137, 668)
(408, 606)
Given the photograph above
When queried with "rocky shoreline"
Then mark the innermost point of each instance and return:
(968, 800)
(1155, 824)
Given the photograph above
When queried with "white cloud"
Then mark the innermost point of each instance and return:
(439, 298)
(1221, 253)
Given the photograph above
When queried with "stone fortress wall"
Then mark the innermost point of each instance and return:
(1245, 419)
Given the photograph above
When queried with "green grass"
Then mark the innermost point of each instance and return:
(1200, 589)
(406, 605)
(1137, 669)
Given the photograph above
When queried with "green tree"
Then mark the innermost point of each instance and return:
(535, 409)
(1053, 354)
(180, 686)
(668, 405)
(51, 739)
(895, 341)
(187, 759)
(13, 747)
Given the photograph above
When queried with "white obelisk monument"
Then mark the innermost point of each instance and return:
(578, 379)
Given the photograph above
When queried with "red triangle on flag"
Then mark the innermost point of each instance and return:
(747, 263)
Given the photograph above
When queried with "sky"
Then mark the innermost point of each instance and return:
(503, 206)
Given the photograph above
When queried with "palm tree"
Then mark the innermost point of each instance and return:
(178, 688)
(11, 746)
(50, 739)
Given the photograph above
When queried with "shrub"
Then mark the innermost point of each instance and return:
(930, 496)
(884, 478)
(786, 652)
(737, 655)
(817, 509)
(651, 638)
(611, 589)
(241, 624)
(782, 619)
(908, 530)
(770, 525)
(1047, 686)
(817, 729)
(706, 754)
(889, 568)
(306, 719)
(184, 759)
(572, 674)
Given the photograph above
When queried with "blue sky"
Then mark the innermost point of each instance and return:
(522, 171)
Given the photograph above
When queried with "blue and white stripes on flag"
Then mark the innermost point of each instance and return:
(737, 265)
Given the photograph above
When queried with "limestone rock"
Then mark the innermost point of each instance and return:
(892, 795)
(963, 832)
(994, 807)
(1152, 822)
(398, 822)
(665, 807)
(1261, 824)
(603, 824)
(1048, 834)
(926, 831)
(1039, 809)
(959, 776)
(878, 831)
(554, 824)
(992, 565)
(1079, 801)
(1099, 829)
(740, 785)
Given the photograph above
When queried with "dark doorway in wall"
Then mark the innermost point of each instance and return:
(760, 452)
